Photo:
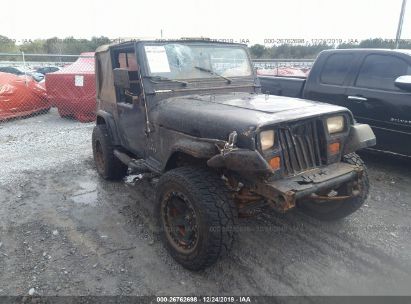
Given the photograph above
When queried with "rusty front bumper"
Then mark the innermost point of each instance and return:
(285, 192)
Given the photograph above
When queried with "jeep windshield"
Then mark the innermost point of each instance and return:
(177, 61)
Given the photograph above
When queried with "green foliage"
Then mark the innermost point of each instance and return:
(258, 50)
(287, 51)
(54, 45)
(33, 47)
(311, 51)
(7, 45)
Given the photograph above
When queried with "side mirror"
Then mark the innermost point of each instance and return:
(121, 78)
(403, 82)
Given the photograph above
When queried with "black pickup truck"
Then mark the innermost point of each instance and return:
(374, 84)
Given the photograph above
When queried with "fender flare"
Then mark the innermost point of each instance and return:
(197, 149)
(181, 143)
(111, 125)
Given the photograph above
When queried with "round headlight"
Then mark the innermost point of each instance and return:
(335, 124)
(267, 139)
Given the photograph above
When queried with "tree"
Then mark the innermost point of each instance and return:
(7, 45)
(258, 50)
(98, 41)
(34, 47)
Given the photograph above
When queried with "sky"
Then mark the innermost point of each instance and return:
(248, 21)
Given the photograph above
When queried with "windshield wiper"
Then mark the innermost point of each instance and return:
(162, 78)
(229, 81)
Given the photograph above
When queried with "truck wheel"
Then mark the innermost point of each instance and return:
(43, 111)
(108, 166)
(63, 113)
(335, 210)
(196, 216)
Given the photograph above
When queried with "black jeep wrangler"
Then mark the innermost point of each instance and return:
(191, 112)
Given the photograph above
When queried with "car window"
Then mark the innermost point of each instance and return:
(380, 72)
(6, 70)
(128, 61)
(12, 70)
(336, 69)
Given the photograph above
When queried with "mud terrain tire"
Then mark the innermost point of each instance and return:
(107, 164)
(209, 210)
(340, 209)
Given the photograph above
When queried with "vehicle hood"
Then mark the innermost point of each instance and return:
(215, 116)
(269, 104)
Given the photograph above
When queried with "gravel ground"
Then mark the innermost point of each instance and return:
(47, 139)
(65, 231)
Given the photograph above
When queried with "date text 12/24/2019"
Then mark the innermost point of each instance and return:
(204, 299)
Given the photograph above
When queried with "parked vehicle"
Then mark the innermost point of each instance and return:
(21, 71)
(21, 96)
(47, 69)
(72, 90)
(284, 71)
(190, 111)
(374, 84)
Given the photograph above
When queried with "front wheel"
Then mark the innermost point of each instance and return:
(196, 216)
(338, 209)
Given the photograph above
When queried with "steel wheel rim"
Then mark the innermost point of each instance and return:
(180, 222)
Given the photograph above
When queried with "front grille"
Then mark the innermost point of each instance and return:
(300, 146)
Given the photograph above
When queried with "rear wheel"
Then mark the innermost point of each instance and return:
(196, 216)
(64, 114)
(107, 164)
(338, 209)
(44, 111)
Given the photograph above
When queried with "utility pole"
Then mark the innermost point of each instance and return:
(397, 39)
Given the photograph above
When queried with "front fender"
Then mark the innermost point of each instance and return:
(361, 136)
(111, 126)
(197, 149)
(241, 160)
(173, 142)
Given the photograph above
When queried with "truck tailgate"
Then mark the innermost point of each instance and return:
(283, 86)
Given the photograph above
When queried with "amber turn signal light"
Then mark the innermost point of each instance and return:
(275, 163)
(334, 148)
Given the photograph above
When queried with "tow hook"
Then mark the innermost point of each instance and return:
(230, 144)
